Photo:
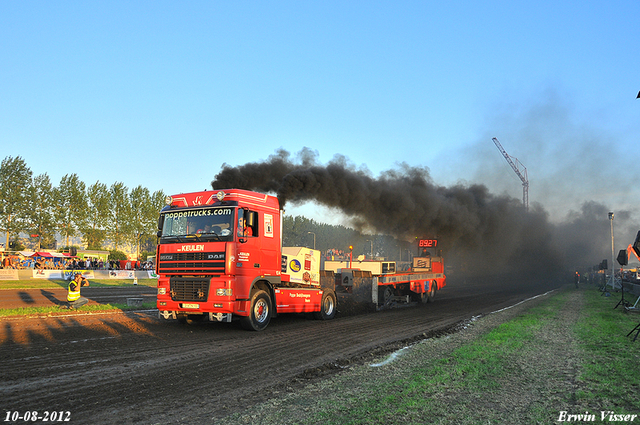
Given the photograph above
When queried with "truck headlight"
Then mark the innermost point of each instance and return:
(162, 291)
(224, 292)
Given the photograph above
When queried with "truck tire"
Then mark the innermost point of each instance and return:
(260, 314)
(432, 291)
(327, 306)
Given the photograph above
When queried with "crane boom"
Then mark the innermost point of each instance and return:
(522, 174)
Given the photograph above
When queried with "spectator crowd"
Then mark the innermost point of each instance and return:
(18, 262)
(334, 254)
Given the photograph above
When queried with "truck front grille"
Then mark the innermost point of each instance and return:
(191, 263)
(189, 289)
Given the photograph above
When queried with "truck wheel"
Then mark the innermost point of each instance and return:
(327, 306)
(260, 314)
(432, 292)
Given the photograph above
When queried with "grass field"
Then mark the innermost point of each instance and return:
(32, 311)
(565, 356)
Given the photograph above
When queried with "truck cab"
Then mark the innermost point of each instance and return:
(219, 255)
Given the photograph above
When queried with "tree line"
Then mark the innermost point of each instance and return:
(98, 213)
(302, 231)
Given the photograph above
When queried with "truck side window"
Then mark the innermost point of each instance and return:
(252, 223)
(247, 223)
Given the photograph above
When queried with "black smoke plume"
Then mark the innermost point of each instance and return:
(483, 231)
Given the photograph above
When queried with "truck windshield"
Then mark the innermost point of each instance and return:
(207, 224)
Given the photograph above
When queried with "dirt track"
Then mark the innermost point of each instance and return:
(134, 368)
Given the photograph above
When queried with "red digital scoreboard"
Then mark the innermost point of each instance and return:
(427, 243)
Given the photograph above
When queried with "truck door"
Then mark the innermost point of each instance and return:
(249, 261)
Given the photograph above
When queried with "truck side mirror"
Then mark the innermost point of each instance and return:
(250, 218)
(160, 222)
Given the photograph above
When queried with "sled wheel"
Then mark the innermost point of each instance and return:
(432, 291)
(421, 298)
(385, 295)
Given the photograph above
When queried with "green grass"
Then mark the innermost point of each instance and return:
(473, 370)
(611, 359)
(59, 283)
(32, 311)
(526, 370)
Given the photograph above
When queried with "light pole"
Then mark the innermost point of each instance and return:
(612, 252)
(314, 239)
(371, 251)
(350, 255)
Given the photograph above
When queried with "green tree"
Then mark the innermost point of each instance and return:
(117, 255)
(71, 208)
(16, 245)
(119, 213)
(296, 233)
(94, 230)
(41, 220)
(140, 199)
(15, 179)
(158, 201)
(145, 209)
(150, 241)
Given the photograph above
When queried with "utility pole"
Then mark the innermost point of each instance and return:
(516, 168)
(613, 267)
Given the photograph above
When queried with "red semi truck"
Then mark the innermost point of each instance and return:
(219, 255)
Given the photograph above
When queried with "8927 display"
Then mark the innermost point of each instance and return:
(427, 243)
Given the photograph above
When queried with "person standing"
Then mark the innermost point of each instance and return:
(73, 296)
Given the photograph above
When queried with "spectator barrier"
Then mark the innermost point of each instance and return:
(26, 274)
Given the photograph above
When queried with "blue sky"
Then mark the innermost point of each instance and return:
(161, 94)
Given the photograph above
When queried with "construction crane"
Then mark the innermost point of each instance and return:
(522, 174)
